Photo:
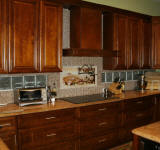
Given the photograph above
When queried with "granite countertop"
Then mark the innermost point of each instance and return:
(3, 145)
(150, 131)
(13, 109)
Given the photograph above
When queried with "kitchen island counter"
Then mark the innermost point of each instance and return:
(3, 146)
(150, 132)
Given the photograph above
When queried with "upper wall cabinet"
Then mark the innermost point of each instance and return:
(51, 37)
(115, 39)
(32, 40)
(134, 42)
(3, 44)
(131, 37)
(156, 42)
(146, 45)
(23, 37)
(86, 31)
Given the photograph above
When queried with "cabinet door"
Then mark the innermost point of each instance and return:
(120, 40)
(51, 37)
(23, 39)
(156, 43)
(134, 28)
(146, 45)
(3, 52)
(115, 39)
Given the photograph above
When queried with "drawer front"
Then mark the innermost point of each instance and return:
(40, 119)
(139, 103)
(100, 142)
(99, 126)
(70, 145)
(43, 136)
(7, 124)
(99, 110)
(138, 117)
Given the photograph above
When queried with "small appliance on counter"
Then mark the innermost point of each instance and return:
(30, 96)
(142, 83)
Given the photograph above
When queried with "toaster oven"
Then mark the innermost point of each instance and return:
(30, 96)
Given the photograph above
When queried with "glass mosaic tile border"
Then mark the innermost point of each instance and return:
(26, 81)
(126, 75)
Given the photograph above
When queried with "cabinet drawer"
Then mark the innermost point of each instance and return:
(68, 145)
(99, 110)
(139, 103)
(47, 135)
(45, 118)
(100, 142)
(138, 117)
(99, 126)
(7, 124)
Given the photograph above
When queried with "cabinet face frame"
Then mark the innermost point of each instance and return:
(3, 37)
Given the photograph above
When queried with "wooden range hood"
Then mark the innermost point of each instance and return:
(86, 33)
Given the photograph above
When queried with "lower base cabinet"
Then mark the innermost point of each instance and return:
(100, 142)
(92, 127)
(10, 139)
(8, 132)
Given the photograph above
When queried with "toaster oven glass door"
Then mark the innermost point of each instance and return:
(30, 95)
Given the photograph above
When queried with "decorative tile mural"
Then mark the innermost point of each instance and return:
(78, 76)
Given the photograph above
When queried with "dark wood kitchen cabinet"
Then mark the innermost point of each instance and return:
(134, 42)
(51, 37)
(155, 42)
(8, 132)
(35, 36)
(115, 39)
(53, 129)
(86, 28)
(99, 126)
(156, 108)
(146, 50)
(137, 112)
(23, 39)
(122, 33)
(3, 43)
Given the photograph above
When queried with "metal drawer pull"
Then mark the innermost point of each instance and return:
(102, 109)
(139, 102)
(5, 125)
(139, 115)
(50, 118)
(49, 135)
(102, 124)
(101, 141)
